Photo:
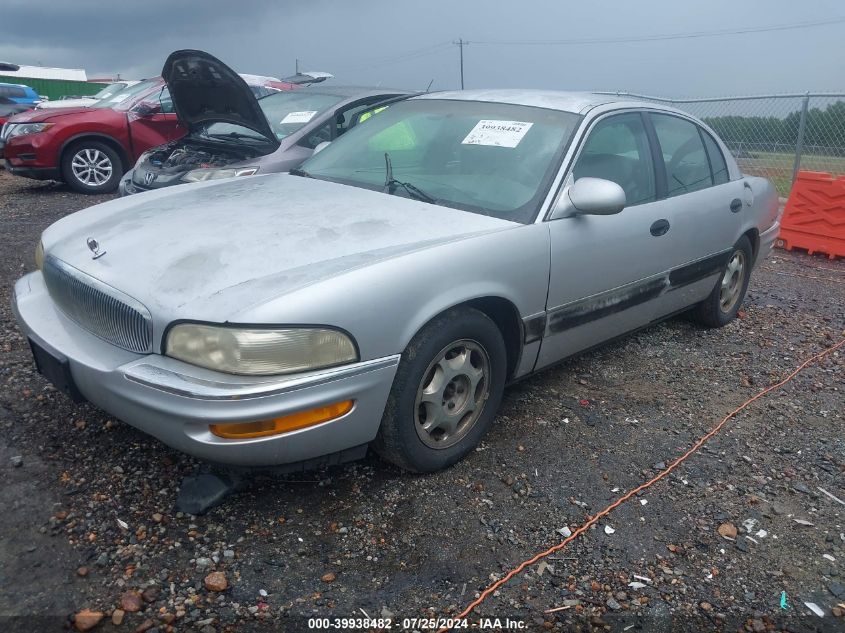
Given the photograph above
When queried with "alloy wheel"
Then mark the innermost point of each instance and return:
(91, 167)
(732, 282)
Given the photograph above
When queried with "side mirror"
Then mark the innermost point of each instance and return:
(147, 108)
(321, 146)
(590, 196)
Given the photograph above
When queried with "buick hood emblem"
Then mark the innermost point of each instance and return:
(94, 247)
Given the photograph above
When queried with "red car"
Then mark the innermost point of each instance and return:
(91, 148)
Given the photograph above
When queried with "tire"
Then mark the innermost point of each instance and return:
(91, 166)
(721, 306)
(423, 394)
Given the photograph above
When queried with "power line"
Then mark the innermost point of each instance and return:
(376, 62)
(669, 36)
(381, 61)
(391, 62)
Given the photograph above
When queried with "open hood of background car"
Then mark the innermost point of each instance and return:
(311, 77)
(205, 90)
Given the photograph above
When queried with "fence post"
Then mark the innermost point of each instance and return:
(799, 143)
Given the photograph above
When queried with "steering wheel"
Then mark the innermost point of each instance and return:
(692, 144)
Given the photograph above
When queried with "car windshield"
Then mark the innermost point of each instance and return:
(288, 111)
(490, 158)
(261, 91)
(128, 94)
(285, 111)
(108, 91)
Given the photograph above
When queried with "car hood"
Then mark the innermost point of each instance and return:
(38, 116)
(67, 103)
(209, 250)
(205, 90)
(11, 109)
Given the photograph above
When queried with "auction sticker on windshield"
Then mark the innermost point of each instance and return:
(299, 117)
(497, 133)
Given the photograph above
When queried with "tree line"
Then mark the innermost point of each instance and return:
(825, 129)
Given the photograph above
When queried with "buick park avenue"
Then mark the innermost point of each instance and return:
(384, 293)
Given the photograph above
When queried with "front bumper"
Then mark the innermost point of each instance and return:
(131, 181)
(177, 402)
(31, 156)
(126, 187)
(36, 173)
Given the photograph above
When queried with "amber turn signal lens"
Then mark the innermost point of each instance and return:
(284, 424)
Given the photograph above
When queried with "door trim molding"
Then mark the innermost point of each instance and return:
(618, 299)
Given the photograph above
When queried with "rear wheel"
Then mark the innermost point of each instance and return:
(92, 167)
(446, 392)
(721, 307)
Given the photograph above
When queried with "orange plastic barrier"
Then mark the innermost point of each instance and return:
(814, 218)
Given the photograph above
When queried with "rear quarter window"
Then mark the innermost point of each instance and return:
(717, 160)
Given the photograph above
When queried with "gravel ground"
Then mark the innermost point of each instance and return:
(89, 521)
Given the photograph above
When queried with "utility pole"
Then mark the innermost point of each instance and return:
(461, 43)
(297, 65)
(799, 142)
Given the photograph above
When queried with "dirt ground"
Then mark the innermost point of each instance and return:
(88, 519)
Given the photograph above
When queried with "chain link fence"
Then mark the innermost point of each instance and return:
(774, 135)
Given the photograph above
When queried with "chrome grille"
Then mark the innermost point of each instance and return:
(99, 308)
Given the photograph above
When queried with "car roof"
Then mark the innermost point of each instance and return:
(578, 102)
(352, 92)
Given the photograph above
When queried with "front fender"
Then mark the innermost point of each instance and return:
(384, 305)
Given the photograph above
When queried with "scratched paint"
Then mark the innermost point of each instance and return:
(631, 295)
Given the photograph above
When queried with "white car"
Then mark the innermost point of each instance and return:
(84, 102)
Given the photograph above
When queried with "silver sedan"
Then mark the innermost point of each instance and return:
(385, 293)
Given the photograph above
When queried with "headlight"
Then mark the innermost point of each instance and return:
(143, 157)
(39, 255)
(198, 175)
(259, 352)
(20, 129)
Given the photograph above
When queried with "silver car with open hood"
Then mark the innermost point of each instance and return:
(231, 132)
(385, 292)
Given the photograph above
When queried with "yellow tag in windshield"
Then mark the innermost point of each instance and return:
(369, 113)
(397, 137)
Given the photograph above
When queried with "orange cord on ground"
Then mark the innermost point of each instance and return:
(595, 518)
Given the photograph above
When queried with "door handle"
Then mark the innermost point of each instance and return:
(660, 227)
(736, 205)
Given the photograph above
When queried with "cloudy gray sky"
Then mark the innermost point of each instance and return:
(408, 44)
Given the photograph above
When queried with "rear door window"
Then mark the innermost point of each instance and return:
(684, 156)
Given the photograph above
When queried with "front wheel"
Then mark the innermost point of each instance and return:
(446, 392)
(92, 167)
(721, 307)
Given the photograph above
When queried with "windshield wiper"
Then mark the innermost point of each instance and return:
(296, 171)
(390, 184)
